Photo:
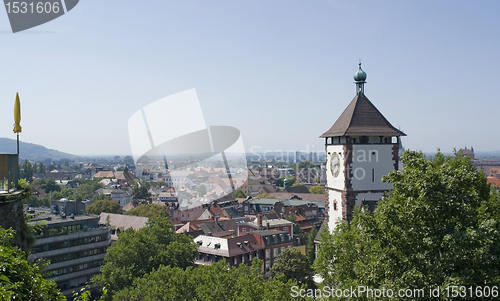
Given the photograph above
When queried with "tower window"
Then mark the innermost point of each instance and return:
(335, 205)
(373, 175)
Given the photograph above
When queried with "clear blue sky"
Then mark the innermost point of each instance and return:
(279, 71)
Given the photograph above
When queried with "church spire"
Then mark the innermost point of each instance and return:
(359, 79)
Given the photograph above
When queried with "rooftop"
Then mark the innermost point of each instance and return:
(42, 214)
(361, 118)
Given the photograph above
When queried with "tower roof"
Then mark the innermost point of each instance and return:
(361, 118)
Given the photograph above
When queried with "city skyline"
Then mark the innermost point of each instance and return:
(279, 72)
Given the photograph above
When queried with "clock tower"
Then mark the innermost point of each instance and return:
(361, 147)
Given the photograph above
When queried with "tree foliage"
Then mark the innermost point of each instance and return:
(431, 230)
(149, 210)
(302, 165)
(106, 205)
(316, 189)
(137, 252)
(239, 194)
(286, 181)
(201, 190)
(84, 191)
(19, 279)
(46, 184)
(26, 171)
(294, 266)
(311, 246)
(87, 189)
(140, 191)
(211, 283)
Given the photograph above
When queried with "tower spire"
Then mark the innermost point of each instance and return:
(359, 80)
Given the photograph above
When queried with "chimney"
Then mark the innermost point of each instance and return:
(230, 216)
(259, 220)
(267, 226)
(233, 235)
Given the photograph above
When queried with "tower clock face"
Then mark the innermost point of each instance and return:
(335, 164)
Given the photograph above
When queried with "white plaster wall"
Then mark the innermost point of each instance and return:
(338, 182)
(334, 215)
(364, 162)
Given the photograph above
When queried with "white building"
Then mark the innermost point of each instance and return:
(178, 178)
(361, 147)
(121, 196)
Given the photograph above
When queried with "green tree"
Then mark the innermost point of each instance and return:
(211, 283)
(87, 189)
(149, 210)
(19, 279)
(429, 231)
(201, 190)
(140, 191)
(311, 246)
(99, 206)
(294, 266)
(26, 171)
(41, 168)
(137, 252)
(46, 184)
(290, 180)
(128, 160)
(34, 201)
(316, 189)
(239, 194)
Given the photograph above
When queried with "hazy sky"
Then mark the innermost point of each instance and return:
(279, 71)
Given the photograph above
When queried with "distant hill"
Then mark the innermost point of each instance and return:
(31, 151)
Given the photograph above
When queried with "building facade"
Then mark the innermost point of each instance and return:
(75, 246)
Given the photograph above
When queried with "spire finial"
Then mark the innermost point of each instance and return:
(359, 79)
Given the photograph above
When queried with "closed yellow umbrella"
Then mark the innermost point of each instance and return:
(17, 115)
(17, 120)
